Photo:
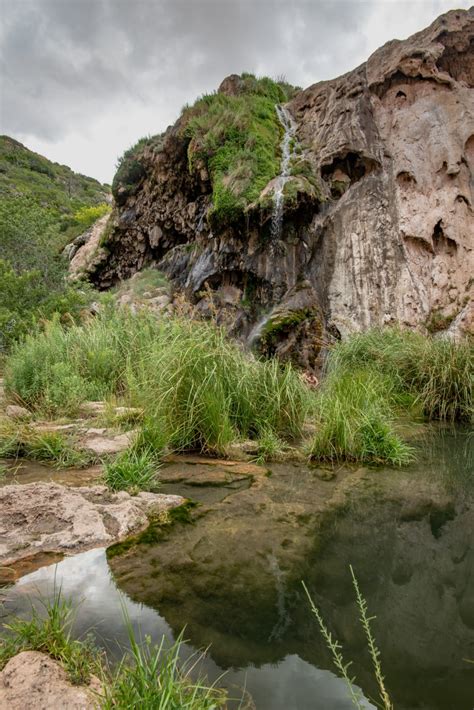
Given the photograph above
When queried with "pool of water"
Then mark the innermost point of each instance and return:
(233, 578)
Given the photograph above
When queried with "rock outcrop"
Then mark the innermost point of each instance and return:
(43, 518)
(384, 236)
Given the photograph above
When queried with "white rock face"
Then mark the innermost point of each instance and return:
(47, 517)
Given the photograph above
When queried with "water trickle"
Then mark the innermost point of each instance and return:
(283, 616)
(287, 148)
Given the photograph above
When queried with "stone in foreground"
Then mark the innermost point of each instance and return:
(33, 680)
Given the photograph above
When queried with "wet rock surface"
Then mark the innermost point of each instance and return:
(38, 518)
(33, 680)
(387, 240)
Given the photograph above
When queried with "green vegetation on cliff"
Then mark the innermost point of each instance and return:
(43, 206)
(237, 136)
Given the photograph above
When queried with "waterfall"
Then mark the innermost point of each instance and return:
(289, 126)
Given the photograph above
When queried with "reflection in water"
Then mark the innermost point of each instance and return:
(291, 683)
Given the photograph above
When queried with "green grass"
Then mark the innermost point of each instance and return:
(50, 632)
(197, 389)
(154, 678)
(20, 440)
(434, 374)
(355, 415)
(238, 139)
(148, 677)
(133, 470)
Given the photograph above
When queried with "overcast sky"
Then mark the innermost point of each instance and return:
(82, 80)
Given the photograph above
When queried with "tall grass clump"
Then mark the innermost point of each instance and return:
(133, 470)
(355, 414)
(435, 374)
(153, 677)
(196, 388)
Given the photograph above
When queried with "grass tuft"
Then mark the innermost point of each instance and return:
(51, 633)
(132, 471)
(154, 678)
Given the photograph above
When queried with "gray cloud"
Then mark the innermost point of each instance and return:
(82, 79)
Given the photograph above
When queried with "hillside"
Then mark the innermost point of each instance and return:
(43, 206)
(301, 215)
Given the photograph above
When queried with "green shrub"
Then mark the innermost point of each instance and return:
(130, 167)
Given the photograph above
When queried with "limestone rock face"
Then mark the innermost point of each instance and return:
(389, 237)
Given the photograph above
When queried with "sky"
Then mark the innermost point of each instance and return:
(83, 80)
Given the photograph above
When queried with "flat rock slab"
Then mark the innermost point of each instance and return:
(33, 680)
(201, 477)
(38, 518)
(99, 443)
(237, 467)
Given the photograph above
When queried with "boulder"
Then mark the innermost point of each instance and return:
(39, 518)
(34, 680)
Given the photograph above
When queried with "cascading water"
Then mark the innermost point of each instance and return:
(286, 145)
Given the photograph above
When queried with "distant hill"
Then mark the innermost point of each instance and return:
(52, 185)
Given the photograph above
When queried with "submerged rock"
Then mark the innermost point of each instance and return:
(34, 680)
(46, 517)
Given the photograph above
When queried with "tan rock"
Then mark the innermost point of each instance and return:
(14, 411)
(47, 517)
(90, 254)
(102, 443)
(34, 680)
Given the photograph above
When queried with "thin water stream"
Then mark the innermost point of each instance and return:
(289, 127)
(233, 578)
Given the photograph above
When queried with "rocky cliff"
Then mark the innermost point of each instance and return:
(378, 223)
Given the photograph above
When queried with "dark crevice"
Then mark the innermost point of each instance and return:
(456, 62)
(441, 243)
(345, 170)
